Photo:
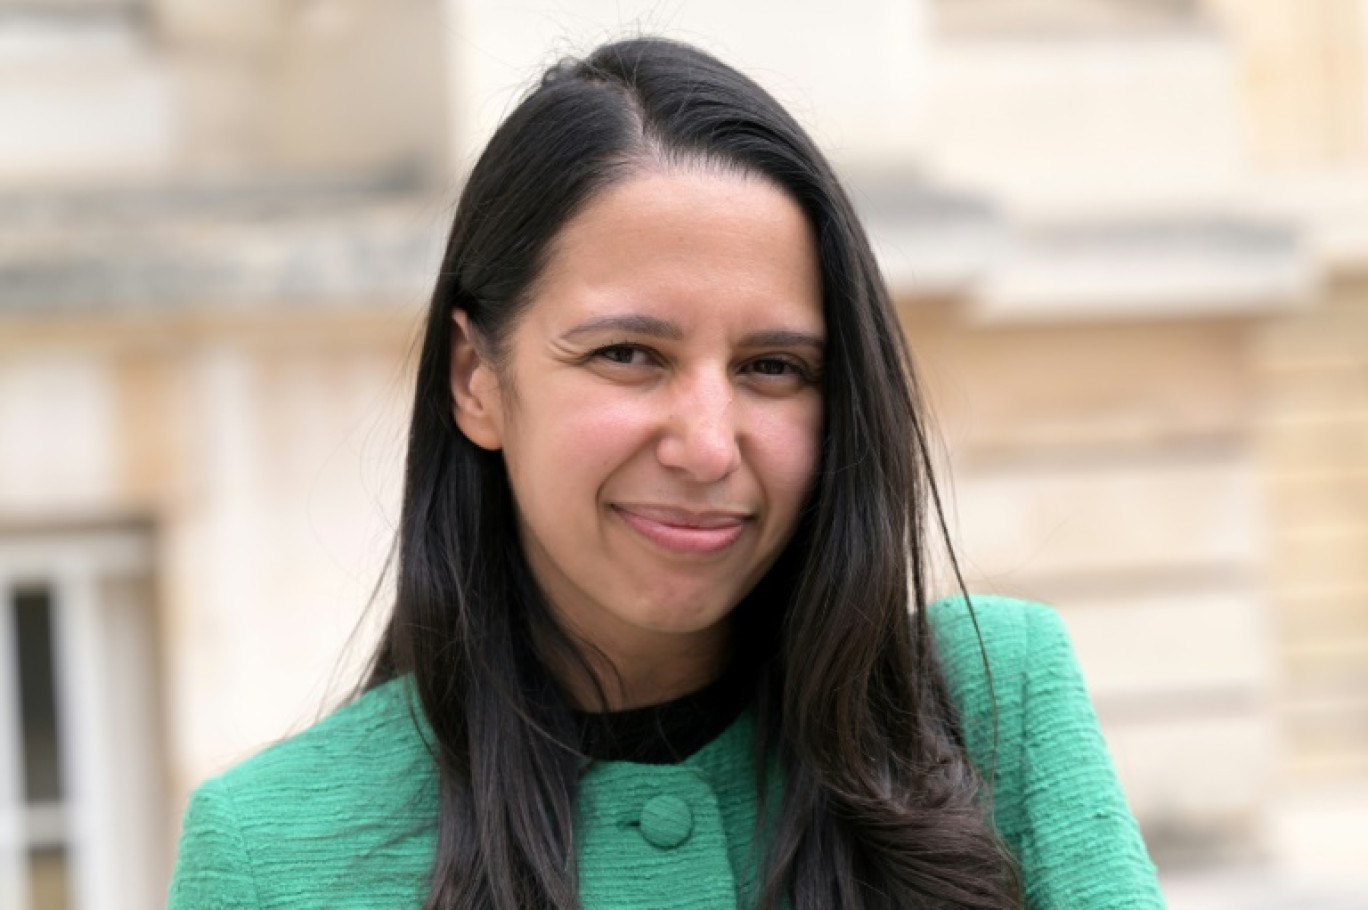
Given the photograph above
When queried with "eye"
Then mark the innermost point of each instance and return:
(780, 368)
(772, 366)
(621, 354)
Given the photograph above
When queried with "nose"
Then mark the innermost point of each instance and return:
(700, 439)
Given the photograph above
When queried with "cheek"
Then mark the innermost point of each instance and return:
(577, 439)
(788, 445)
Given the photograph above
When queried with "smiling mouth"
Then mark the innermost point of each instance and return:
(684, 532)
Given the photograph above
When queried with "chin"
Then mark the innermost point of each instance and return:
(681, 619)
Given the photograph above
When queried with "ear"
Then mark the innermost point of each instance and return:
(475, 392)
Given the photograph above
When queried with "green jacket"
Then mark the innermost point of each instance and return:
(343, 815)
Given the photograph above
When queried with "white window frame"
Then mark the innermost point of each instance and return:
(107, 869)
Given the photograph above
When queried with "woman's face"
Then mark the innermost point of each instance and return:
(659, 408)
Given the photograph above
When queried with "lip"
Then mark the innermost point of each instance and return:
(684, 531)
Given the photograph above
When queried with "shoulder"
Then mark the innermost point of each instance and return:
(1001, 631)
(1030, 728)
(1001, 619)
(313, 810)
(995, 652)
(376, 734)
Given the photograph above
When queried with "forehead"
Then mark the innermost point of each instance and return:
(689, 242)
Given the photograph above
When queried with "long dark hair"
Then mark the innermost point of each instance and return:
(880, 806)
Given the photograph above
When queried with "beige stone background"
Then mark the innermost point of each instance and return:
(1128, 239)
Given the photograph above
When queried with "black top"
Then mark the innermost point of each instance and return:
(667, 733)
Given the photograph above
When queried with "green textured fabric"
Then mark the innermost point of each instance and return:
(343, 815)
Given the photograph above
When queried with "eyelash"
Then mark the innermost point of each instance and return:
(793, 367)
(602, 353)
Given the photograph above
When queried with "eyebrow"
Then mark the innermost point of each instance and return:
(635, 323)
(784, 338)
(639, 324)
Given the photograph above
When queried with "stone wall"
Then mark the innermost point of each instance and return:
(1312, 370)
(1111, 470)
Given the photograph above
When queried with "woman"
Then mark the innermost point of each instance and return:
(665, 514)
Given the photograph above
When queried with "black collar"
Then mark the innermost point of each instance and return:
(667, 733)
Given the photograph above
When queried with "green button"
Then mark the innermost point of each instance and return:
(666, 821)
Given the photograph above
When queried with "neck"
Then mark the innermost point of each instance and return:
(608, 678)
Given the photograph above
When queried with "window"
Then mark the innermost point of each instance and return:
(43, 834)
(82, 802)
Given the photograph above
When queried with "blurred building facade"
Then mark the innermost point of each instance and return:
(1128, 240)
